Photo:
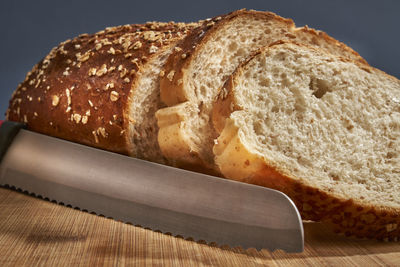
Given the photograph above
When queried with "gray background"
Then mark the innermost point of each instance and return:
(29, 29)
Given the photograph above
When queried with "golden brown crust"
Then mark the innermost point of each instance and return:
(81, 91)
(351, 217)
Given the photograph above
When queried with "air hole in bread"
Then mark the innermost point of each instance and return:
(275, 109)
(334, 176)
(233, 46)
(319, 87)
(390, 155)
(265, 82)
(203, 89)
(240, 52)
(280, 56)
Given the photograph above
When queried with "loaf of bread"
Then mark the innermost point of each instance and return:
(301, 113)
(323, 129)
(101, 90)
(200, 64)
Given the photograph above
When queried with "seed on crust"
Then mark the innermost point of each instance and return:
(102, 70)
(110, 69)
(135, 61)
(170, 75)
(55, 100)
(84, 119)
(98, 46)
(77, 117)
(92, 71)
(67, 92)
(108, 86)
(153, 49)
(84, 57)
(137, 45)
(111, 51)
(114, 96)
(102, 131)
(124, 71)
(96, 138)
(210, 23)
(150, 36)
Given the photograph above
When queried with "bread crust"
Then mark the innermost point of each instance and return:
(173, 88)
(82, 90)
(320, 35)
(348, 216)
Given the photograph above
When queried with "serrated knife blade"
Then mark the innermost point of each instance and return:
(159, 197)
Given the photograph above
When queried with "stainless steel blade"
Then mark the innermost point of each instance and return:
(151, 195)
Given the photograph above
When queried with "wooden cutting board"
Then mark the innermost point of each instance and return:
(38, 232)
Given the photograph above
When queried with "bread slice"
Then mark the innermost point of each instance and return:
(101, 90)
(201, 63)
(323, 129)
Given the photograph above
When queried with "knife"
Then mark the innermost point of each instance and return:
(151, 195)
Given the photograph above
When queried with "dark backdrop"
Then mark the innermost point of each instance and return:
(29, 29)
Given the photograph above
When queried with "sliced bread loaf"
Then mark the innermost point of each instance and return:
(200, 64)
(323, 129)
(102, 89)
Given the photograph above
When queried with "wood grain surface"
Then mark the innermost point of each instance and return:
(37, 232)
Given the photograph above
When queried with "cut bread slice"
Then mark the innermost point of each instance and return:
(101, 89)
(201, 63)
(322, 129)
